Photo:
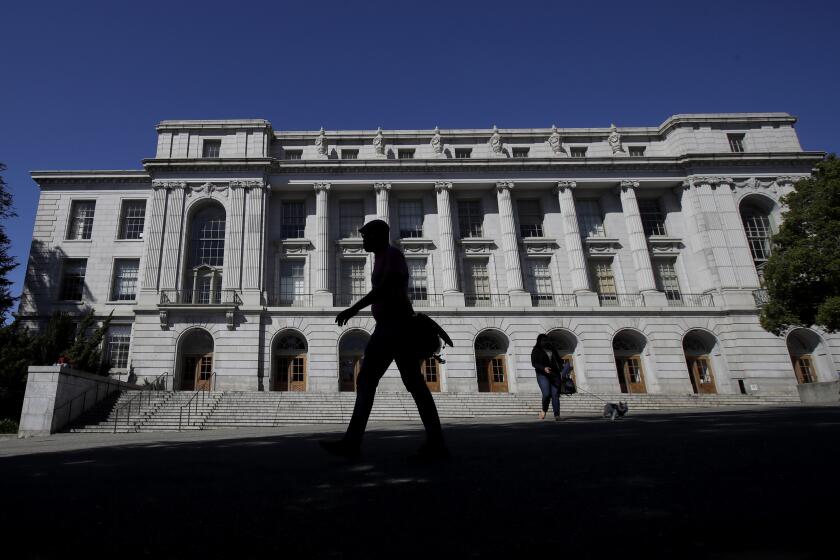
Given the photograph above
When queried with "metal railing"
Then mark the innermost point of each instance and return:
(486, 300)
(199, 397)
(423, 299)
(677, 299)
(554, 300)
(284, 299)
(346, 300)
(621, 300)
(200, 297)
(761, 297)
(137, 400)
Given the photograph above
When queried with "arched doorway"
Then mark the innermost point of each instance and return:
(351, 353)
(565, 344)
(627, 348)
(290, 365)
(490, 362)
(195, 362)
(697, 348)
(802, 346)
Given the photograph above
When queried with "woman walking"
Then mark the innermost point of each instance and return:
(548, 366)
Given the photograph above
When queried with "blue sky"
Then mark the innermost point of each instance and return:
(82, 84)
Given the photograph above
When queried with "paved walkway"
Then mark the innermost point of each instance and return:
(756, 483)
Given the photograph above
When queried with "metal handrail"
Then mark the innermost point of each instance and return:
(200, 297)
(289, 299)
(194, 399)
(138, 398)
(679, 299)
(621, 300)
(554, 300)
(472, 299)
(425, 300)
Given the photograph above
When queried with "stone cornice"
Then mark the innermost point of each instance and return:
(227, 124)
(105, 176)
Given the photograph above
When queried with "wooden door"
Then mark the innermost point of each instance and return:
(568, 359)
(204, 373)
(804, 368)
(631, 378)
(701, 375)
(431, 373)
(290, 373)
(348, 372)
(492, 375)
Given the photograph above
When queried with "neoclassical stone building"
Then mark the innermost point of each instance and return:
(639, 249)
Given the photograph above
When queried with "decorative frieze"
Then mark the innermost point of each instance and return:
(602, 246)
(293, 247)
(350, 247)
(417, 246)
(538, 246)
(664, 246)
(477, 246)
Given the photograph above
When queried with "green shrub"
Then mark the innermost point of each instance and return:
(8, 426)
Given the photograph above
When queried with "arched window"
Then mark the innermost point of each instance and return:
(203, 281)
(755, 216)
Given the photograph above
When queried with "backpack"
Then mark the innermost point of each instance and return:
(427, 337)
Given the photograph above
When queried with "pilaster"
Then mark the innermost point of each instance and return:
(574, 245)
(638, 243)
(451, 295)
(170, 260)
(233, 248)
(322, 297)
(253, 241)
(518, 296)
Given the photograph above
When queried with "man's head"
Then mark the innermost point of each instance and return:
(375, 235)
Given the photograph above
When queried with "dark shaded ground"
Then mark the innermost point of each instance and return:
(739, 484)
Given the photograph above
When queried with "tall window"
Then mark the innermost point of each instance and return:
(604, 282)
(666, 278)
(211, 148)
(530, 218)
(293, 219)
(736, 142)
(292, 283)
(208, 237)
(73, 279)
(81, 219)
(539, 278)
(117, 344)
(132, 218)
(417, 281)
(470, 218)
(590, 218)
(124, 285)
(411, 218)
(478, 281)
(353, 278)
(351, 216)
(757, 227)
(653, 221)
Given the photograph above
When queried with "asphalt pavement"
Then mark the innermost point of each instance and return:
(758, 483)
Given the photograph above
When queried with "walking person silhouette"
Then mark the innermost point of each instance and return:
(391, 341)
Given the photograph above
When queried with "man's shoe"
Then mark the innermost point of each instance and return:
(340, 448)
(429, 453)
(557, 418)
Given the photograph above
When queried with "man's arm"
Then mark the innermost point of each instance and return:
(369, 298)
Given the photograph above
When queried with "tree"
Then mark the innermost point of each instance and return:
(7, 261)
(86, 352)
(802, 276)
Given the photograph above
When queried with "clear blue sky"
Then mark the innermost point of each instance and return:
(82, 84)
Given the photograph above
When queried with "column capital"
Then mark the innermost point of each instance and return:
(788, 180)
(168, 185)
(321, 187)
(381, 187)
(710, 180)
(504, 185)
(628, 184)
(248, 184)
(443, 186)
(562, 185)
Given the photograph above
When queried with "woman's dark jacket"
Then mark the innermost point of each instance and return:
(540, 361)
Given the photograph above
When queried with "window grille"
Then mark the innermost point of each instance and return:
(118, 341)
(463, 153)
(417, 281)
(605, 282)
(211, 148)
(405, 154)
(73, 279)
(577, 152)
(132, 219)
(349, 154)
(353, 278)
(530, 218)
(125, 280)
(666, 277)
(351, 216)
(292, 282)
(637, 151)
(736, 142)
(293, 219)
(293, 154)
(521, 152)
(757, 228)
(541, 288)
(653, 221)
(590, 220)
(470, 218)
(479, 280)
(411, 218)
(208, 237)
(81, 219)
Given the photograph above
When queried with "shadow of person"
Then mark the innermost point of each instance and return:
(391, 341)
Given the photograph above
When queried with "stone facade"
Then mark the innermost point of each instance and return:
(626, 243)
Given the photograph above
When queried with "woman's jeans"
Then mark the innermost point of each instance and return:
(550, 392)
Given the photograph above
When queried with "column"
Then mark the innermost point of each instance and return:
(320, 281)
(638, 244)
(699, 259)
(446, 247)
(518, 296)
(233, 247)
(574, 245)
(253, 234)
(153, 233)
(170, 260)
(736, 237)
(382, 212)
(705, 188)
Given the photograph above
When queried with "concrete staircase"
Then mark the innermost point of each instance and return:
(170, 411)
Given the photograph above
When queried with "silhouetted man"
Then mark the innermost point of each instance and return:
(391, 340)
